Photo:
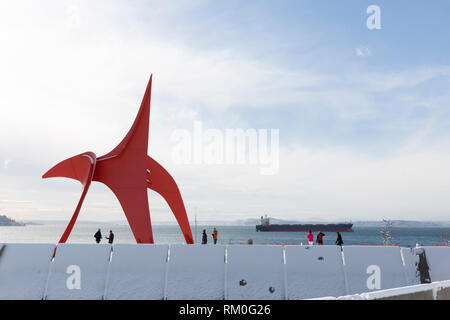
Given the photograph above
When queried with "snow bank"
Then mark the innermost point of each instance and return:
(438, 259)
(199, 272)
(79, 264)
(196, 272)
(409, 292)
(314, 271)
(435, 264)
(137, 272)
(364, 266)
(255, 272)
(431, 291)
(24, 270)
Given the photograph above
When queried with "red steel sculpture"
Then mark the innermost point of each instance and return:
(128, 171)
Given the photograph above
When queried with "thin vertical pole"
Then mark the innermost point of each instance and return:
(196, 225)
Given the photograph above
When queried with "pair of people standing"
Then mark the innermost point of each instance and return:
(319, 238)
(98, 236)
(205, 237)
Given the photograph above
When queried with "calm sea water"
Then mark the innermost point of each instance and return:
(84, 233)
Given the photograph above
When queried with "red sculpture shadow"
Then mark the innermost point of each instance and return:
(128, 171)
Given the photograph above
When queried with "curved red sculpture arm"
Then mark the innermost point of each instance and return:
(136, 139)
(81, 168)
(159, 180)
(134, 202)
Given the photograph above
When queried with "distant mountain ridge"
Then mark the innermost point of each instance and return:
(404, 224)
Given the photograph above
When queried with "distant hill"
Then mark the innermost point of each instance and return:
(5, 221)
(404, 224)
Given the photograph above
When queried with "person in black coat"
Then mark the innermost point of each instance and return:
(98, 236)
(204, 237)
(339, 240)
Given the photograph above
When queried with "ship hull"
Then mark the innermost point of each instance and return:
(305, 227)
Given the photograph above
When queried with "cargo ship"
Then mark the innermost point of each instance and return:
(265, 226)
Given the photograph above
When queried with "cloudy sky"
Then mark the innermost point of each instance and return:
(363, 115)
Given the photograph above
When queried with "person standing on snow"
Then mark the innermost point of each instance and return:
(310, 237)
(111, 237)
(320, 238)
(339, 240)
(214, 235)
(204, 237)
(98, 236)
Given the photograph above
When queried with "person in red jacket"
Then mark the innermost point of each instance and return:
(310, 237)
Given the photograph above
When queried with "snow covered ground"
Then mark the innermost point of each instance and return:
(200, 272)
(255, 272)
(313, 270)
(432, 291)
(196, 272)
(373, 268)
(137, 272)
(78, 272)
(24, 270)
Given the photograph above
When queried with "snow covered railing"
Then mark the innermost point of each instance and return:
(235, 272)
(432, 291)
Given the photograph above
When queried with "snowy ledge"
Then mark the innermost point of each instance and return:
(218, 272)
(432, 291)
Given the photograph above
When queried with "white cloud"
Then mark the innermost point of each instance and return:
(363, 52)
